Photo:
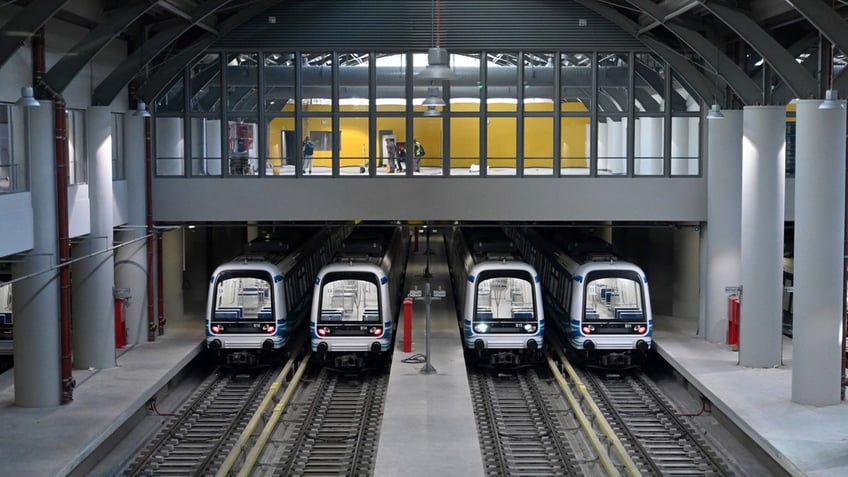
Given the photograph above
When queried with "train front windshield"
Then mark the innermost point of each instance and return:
(614, 297)
(350, 298)
(243, 296)
(505, 304)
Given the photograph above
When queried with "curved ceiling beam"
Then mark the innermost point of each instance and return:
(802, 84)
(172, 67)
(109, 88)
(697, 81)
(64, 71)
(828, 21)
(23, 25)
(741, 84)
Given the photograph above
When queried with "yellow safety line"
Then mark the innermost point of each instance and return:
(259, 445)
(248, 431)
(605, 428)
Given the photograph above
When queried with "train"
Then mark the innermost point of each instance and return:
(258, 300)
(498, 298)
(357, 297)
(599, 303)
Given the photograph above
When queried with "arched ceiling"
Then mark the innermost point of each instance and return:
(744, 52)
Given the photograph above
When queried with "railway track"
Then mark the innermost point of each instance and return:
(332, 428)
(204, 427)
(661, 442)
(523, 426)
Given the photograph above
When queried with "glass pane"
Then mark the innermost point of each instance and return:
(538, 142)
(685, 145)
(501, 302)
(426, 148)
(242, 147)
(205, 84)
(354, 146)
(242, 81)
(648, 147)
(574, 134)
(350, 301)
(205, 147)
(467, 89)
(173, 100)
(353, 82)
(612, 145)
(682, 98)
(319, 130)
(12, 178)
(243, 298)
(613, 74)
(649, 92)
(279, 82)
(614, 298)
(317, 80)
(501, 146)
(539, 78)
(392, 128)
(391, 82)
(465, 145)
(502, 82)
(282, 144)
(170, 140)
(576, 82)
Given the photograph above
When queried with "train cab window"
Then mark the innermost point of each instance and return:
(241, 297)
(349, 300)
(614, 298)
(505, 298)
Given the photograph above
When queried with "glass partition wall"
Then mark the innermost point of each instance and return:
(367, 114)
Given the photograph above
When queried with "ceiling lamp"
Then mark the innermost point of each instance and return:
(438, 66)
(715, 112)
(432, 112)
(433, 98)
(27, 99)
(141, 110)
(831, 100)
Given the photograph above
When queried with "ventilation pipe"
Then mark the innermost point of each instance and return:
(60, 135)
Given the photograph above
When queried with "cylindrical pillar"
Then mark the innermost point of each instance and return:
(94, 277)
(131, 260)
(819, 230)
(36, 304)
(721, 243)
(603, 146)
(763, 195)
(616, 148)
(680, 156)
(650, 156)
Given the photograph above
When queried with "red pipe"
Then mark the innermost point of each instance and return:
(148, 186)
(60, 144)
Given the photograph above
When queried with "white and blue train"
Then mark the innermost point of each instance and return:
(357, 297)
(498, 296)
(257, 301)
(599, 302)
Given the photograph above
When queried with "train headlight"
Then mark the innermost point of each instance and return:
(588, 329)
(376, 330)
(529, 327)
(217, 329)
(324, 331)
(640, 328)
(270, 328)
(481, 327)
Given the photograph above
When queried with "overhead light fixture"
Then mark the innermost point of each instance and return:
(831, 100)
(715, 112)
(27, 99)
(141, 110)
(433, 98)
(432, 112)
(438, 59)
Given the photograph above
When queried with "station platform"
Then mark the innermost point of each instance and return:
(428, 426)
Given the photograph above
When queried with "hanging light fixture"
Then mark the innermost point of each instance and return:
(715, 112)
(433, 97)
(141, 110)
(831, 100)
(27, 99)
(432, 112)
(438, 59)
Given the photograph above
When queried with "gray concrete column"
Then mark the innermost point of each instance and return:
(818, 274)
(131, 260)
(650, 153)
(763, 191)
(94, 276)
(38, 375)
(721, 242)
(686, 270)
(680, 137)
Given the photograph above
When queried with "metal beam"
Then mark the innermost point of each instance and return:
(109, 88)
(185, 16)
(64, 71)
(20, 27)
(802, 84)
